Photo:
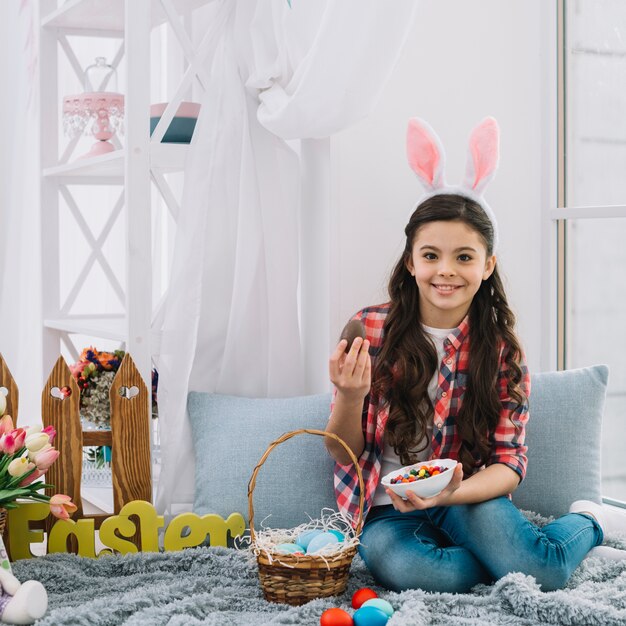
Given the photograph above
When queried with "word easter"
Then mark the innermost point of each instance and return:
(184, 531)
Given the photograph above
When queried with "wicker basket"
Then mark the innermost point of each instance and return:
(297, 579)
(3, 519)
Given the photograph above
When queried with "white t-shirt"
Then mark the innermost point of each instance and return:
(390, 461)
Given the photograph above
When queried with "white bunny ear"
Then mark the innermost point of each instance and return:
(425, 153)
(483, 155)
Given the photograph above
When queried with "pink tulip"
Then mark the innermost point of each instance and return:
(6, 424)
(49, 430)
(61, 506)
(20, 436)
(7, 443)
(32, 478)
(45, 458)
(12, 441)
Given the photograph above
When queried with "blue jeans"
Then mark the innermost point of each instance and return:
(453, 548)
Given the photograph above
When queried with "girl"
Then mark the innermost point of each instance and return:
(441, 374)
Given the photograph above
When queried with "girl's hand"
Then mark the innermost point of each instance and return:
(351, 373)
(415, 503)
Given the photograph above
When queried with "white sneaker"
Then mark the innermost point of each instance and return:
(611, 519)
(605, 552)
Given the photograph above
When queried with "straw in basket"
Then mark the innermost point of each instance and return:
(296, 579)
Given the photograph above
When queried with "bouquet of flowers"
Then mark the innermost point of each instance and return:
(94, 373)
(26, 454)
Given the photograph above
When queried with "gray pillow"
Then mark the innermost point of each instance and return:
(231, 434)
(564, 440)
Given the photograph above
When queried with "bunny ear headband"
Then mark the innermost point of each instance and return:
(426, 158)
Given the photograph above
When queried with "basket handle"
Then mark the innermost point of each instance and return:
(289, 435)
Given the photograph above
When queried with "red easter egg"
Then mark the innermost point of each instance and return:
(361, 595)
(336, 617)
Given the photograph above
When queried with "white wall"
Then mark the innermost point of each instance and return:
(466, 60)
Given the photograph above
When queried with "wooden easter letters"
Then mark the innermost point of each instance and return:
(137, 517)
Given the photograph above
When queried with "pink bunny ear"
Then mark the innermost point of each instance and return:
(425, 153)
(483, 155)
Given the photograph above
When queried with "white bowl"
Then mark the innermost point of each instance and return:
(425, 487)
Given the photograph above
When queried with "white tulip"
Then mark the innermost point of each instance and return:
(36, 441)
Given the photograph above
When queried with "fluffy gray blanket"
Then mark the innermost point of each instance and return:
(220, 587)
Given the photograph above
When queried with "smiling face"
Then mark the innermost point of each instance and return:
(449, 262)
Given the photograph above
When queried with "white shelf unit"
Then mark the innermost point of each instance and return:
(138, 162)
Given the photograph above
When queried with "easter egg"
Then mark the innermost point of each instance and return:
(337, 534)
(381, 604)
(303, 539)
(360, 595)
(288, 548)
(336, 617)
(352, 330)
(321, 541)
(370, 616)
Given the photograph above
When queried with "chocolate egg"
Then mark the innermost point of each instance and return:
(352, 330)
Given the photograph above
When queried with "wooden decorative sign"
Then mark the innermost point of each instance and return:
(119, 532)
(8, 389)
(136, 524)
(129, 438)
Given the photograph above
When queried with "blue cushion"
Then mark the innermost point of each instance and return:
(231, 434)
(564, 440)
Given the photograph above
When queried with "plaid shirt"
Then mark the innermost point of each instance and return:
(507, 440)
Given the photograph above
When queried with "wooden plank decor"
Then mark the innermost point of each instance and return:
(130, 433)
(60, 407)
(129, 439)
(12, 396)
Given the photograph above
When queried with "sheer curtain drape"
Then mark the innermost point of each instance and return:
(20, 310)
(231, 322)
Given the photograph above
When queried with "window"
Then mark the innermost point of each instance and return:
(592, 221)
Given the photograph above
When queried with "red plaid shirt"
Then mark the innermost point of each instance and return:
(507, 440)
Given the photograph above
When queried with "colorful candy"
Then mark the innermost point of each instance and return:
(425, 471)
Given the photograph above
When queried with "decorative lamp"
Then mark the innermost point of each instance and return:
(96, 112)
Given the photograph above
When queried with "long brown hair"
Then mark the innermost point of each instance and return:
(407, 360)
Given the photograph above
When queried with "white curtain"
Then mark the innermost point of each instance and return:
(231, 317)
(20, 311)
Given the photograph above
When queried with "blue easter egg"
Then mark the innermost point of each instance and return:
(337, 534)
(370, 616)
(321, 541)
(381, 604)
(303, 539)
(288, 548)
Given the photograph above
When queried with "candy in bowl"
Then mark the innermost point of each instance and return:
(425, 479)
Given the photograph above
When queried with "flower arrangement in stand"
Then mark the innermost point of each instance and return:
(94, 373)
(26, 454)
